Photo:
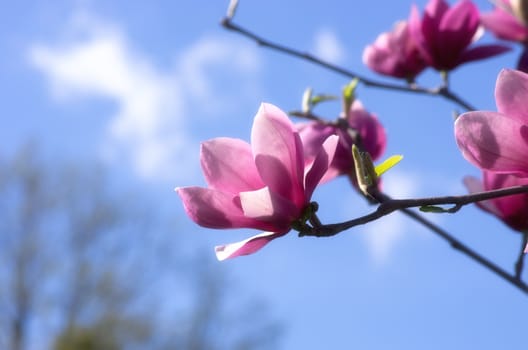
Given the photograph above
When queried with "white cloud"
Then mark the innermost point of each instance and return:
(382, 235)
(149, 128)
(147, 100)
(399, 184)
(328, 47)
(208, 52)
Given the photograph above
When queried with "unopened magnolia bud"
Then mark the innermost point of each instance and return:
(365, 170)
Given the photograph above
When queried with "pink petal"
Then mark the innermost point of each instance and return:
(462, 17)
(475, 185)
(381, 59)
(458, 26)
(504, 25)
(394, 53)
(481, 52)
(245, 247)
(511, 94)
(371, 131)
(415, 29)
(265, 205)
(228, 165)
(493, 141)
(320, 165)
(278, 153)
(216, 209)
(436, 9)
(313, 134)
(513, 210)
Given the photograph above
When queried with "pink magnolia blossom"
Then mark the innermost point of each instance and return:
(395, 54)
(364, 128)
(443, 35)
(512, 210)
(498, 141)
(504, 23)
(507, 21)
(263, 186)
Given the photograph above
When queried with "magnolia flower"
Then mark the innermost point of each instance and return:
(504, 23)
(445, 33)
(498, 141)
(395, 54)
(508, 22)
(264, 185)
(361, 127)
(512, 210)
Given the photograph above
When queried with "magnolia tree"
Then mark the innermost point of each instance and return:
(267, 184)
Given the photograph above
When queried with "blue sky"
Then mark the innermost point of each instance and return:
(139, 85)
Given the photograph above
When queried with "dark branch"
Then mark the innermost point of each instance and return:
(388, 205)
(442, 91)
(470, 253)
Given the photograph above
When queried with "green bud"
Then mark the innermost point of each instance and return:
(365, 170)
(322, 98)
(349, 95)
(437, 209)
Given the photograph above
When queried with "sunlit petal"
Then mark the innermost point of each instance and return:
(245, 247)
(228, 165)
(493, 141)
(278, 153)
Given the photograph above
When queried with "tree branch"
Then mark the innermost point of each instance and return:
(470, 253)
(442, 91)
(388, 205)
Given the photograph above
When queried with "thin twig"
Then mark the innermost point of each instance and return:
(464, 249)
(388, 205)
(442, 91)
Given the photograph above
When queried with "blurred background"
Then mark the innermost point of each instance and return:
(103, 106)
